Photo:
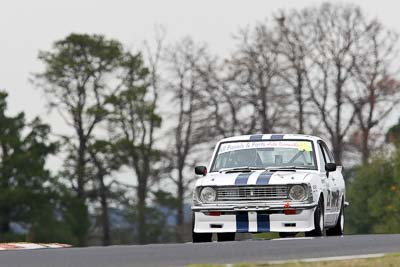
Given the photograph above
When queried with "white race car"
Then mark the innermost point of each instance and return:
(285, 183)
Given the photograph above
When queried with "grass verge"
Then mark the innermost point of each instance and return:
(389, 260)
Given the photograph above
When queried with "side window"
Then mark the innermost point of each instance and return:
(327, 154)
(324, 158)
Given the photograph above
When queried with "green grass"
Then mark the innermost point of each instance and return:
(389, 260)
(269, 235)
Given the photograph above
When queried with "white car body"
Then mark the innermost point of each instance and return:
(279, 214)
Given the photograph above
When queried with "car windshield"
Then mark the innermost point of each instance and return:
(265, 154)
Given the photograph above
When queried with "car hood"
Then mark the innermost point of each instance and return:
(259, 177)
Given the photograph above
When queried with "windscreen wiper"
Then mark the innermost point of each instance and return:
(290, 168)
(240, 169)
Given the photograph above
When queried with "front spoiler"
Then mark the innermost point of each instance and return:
(253, 206)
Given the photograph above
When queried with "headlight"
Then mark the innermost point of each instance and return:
(297, 192)
(208, 194)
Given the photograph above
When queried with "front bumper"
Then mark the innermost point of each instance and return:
(253, 206)
(253, 217)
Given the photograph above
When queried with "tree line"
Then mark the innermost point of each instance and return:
(156, 112)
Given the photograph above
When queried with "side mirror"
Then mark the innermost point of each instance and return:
(200, 170)
(330, 167)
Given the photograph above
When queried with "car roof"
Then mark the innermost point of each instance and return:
(271, 137)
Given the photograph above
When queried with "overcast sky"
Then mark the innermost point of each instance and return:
(32, 25)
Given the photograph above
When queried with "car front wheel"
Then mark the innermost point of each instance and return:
(339, 227)
(287, 234)
(225, 237)
(318, 221)
(200, 237)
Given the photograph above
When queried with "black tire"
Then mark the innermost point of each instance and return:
(200, 237)
(318, 224)
(222, 237)
(338, 229)
(287, 234)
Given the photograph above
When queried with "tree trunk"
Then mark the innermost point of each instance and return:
(80, 168)
(5, 218)
(301, 127)
(265, 127)
(4, 227)
(80, 175)
(104, 213)
(337, 144)
(365, 153)
(141, 210)
(299, 93)
(180, 220)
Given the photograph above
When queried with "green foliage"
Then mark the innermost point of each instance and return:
(157, 228)
(165, 199)
(75, 217)
(133, 116)
(133, 107)
(78, 80)
(393, 134)
(83, 54)
(132, 123)
(59, 224)
(27, 195)
(374, 196)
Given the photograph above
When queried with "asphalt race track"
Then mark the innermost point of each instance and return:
(183, 254)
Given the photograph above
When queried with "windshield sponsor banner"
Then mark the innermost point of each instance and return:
(300, 145)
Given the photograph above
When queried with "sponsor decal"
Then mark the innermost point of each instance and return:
(299, 145)
(304, 146)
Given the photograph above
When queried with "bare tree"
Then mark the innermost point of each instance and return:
(185, 84)
(255, 67)
(293, 47)
(335, 30)
(228, 111)
(376, 83)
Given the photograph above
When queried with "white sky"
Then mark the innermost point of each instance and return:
(32, 25)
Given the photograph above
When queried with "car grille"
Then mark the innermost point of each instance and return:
(252, 193)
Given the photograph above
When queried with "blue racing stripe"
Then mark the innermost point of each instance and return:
(256, 137)
(277, 136)
(242, 222)
(263, 224)
(242, 178)
(264, 177)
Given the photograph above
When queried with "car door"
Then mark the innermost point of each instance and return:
(338, 184)
(333, 179)
(325, 182)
